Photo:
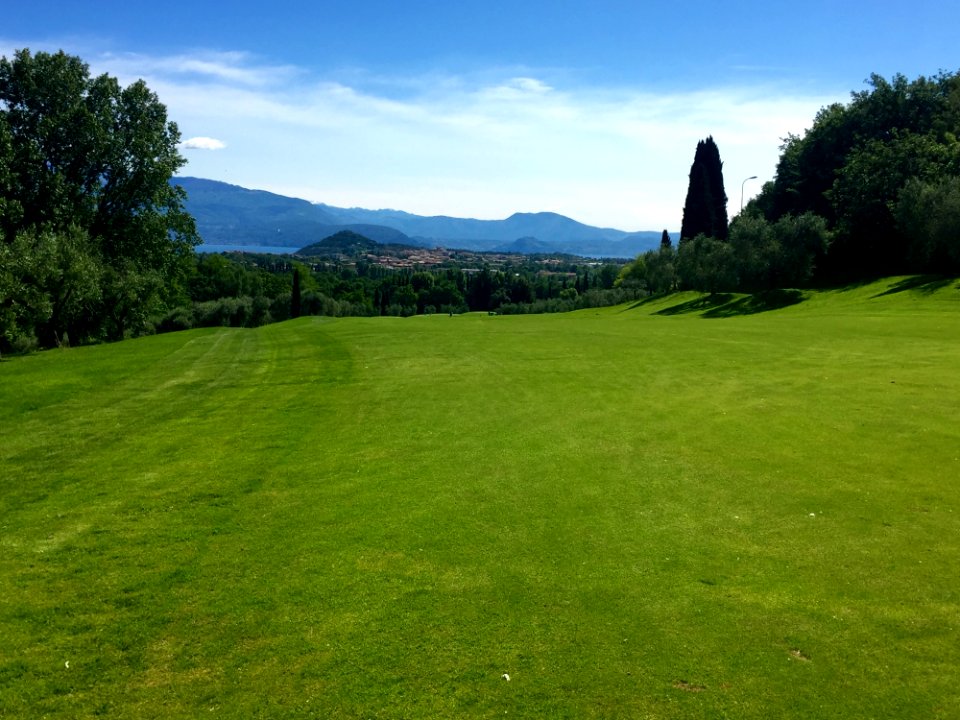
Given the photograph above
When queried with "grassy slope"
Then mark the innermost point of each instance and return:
(632, 515)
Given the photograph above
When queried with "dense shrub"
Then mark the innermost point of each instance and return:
(180, 318)
(226, 312)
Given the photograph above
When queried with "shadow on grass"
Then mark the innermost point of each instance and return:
(721, 305)
(645, 301)
(757, 303)
(700, 304)
(926, 284)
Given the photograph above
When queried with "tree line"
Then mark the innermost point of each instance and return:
(247, 290)
(871, 189)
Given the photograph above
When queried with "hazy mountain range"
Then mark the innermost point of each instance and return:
(231, 215)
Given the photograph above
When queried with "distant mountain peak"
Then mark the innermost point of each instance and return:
(541, 214)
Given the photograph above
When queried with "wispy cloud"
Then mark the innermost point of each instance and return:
(234, 68)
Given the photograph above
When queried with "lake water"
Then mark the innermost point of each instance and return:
(272, 249)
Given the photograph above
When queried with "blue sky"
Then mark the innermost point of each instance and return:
(470, 109)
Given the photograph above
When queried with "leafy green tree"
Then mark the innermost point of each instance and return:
(406, 298)
(607, 275)
(295, 299)
(928, 215)
(50, 282)
(10, 209)
(808, 166)
(705, 209)
(866, 190)
(804, 241)
(584, 281)
(214, 276)
(481, 288)
(520, 290)
(86, 158)
(777, 255)
(653, 271)
(756, 252)
(707, 264)
(661, 266)
(851, 167)
(633, 274)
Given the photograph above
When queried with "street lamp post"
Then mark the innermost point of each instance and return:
(752, 177)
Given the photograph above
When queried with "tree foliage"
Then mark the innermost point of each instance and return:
(782, 254)
(928, 215)
(705, 208)
(654, 271)
(758, 256)
(296, 299)
(94, 237)
(853, 166)
(707, 264)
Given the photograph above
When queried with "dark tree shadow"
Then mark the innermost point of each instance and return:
(645, 301)
(757, 303)
(700, 304)
(926, 284)
(722, 305)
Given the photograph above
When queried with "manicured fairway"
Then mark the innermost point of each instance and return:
(631, 512)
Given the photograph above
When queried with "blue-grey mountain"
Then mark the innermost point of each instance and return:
(231, 215)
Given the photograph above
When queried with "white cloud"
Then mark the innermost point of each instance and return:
(518, 88)
(203, 143)
(530, 85)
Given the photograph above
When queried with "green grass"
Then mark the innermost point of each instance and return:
(676, 509)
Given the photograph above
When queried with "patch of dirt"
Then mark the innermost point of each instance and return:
(799, 655)
(689, 687)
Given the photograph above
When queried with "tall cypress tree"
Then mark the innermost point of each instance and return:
(705, 210)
